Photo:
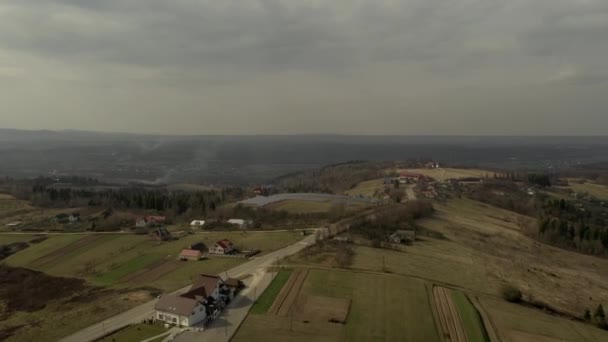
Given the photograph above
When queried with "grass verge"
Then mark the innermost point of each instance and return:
(471, 319)
(136, 332)
(265, 301)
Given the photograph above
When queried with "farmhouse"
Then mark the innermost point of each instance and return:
(150, 221)
(411, 177)
(222, 247)
(190, 254)
(239, 222)
(197, 223)
(184, 310)
(402, 236)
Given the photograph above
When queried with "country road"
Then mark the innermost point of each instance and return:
(143, 311)
(409, 192)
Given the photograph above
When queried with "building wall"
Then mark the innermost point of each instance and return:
(216, 250)
(184, 321)
(172, 318)
(199, 314)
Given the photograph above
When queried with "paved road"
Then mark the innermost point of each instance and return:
(138, 313)
(409, 191)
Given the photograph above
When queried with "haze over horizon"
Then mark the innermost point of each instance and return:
(400, 67)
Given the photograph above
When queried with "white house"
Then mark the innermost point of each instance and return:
(224, 246)
(197, 223)
(184, 310)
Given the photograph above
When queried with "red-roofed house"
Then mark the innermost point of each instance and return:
(222, 247)
(190, 254)
(408, 177)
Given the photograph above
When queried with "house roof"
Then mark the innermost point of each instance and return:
(190, 253)
(233, 282)
(178, 305)
(198, 293)
(199, 246)
(225, 243)
(209, 282)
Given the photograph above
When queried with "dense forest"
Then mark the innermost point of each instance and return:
(580, 225)
(575, 226)
(80, 192)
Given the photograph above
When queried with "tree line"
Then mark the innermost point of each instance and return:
(572, 225)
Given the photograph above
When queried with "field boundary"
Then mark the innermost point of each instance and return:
(451, 322)
(487, 320)
(284, 302)
(58, 253)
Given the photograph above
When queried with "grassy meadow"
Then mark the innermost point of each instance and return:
(369, 188)
(108, 259)
(383, 308)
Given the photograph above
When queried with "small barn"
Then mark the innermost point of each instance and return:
(190, 254)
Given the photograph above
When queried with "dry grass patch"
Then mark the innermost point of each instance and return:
(441, 174)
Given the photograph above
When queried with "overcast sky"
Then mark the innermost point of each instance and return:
(305, 66)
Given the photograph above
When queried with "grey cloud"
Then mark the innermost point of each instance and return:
(269, 65)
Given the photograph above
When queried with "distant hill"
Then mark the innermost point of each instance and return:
(226, 159)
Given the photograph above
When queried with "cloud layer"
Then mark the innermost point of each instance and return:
(310, 66)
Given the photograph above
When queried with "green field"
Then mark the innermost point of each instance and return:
(11, 207)
(135, 333)
(471, 319)
(383, 308)
(121, 264)
(105, 259)
(596, 190)
(265, 301)
(10, 238)
(368, 188)
(301, 207)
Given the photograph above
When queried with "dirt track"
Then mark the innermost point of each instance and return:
(48, 258)
(285, 302)
(451, 323)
